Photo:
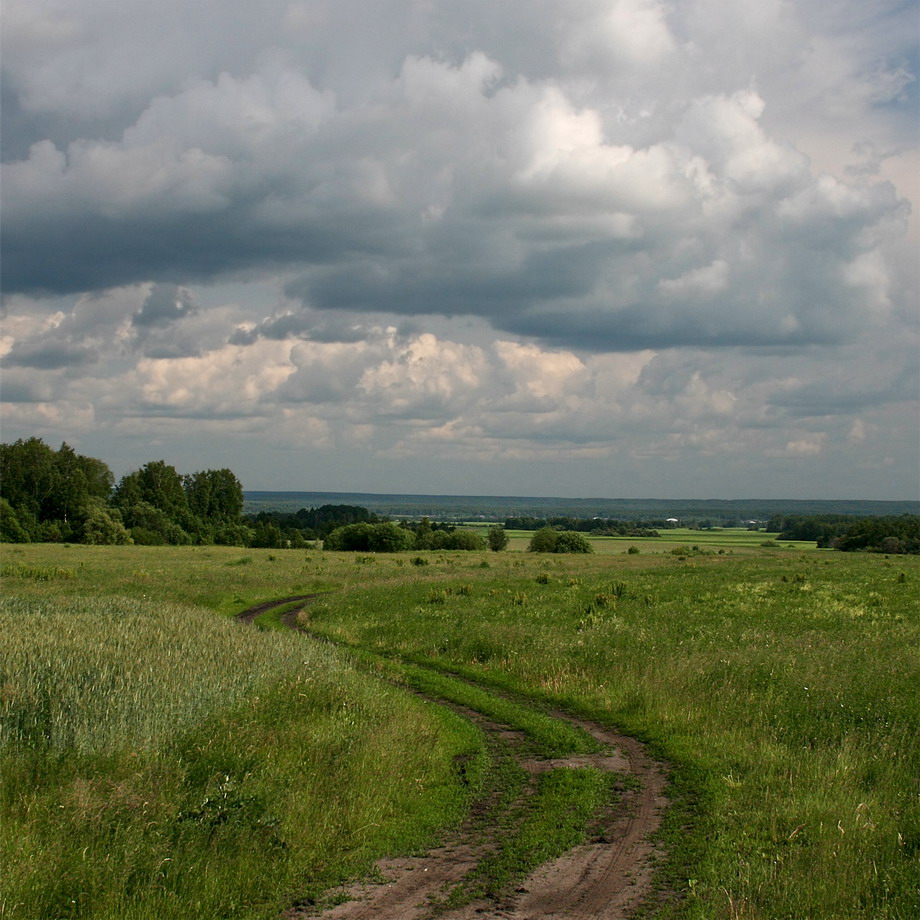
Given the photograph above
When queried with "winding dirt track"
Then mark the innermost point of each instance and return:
(606, 878)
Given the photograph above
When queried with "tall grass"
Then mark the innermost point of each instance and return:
(158, 761)
(92, 676)
(785, 688)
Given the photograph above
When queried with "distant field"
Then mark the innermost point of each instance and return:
(726, 539)
(159, 760)
(499, 508)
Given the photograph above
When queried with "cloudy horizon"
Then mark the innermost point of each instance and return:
(617, 248)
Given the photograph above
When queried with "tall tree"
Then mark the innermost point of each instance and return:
(71, 490)
(27, 475)
(214, 495)
(158, 484)
(51, 486)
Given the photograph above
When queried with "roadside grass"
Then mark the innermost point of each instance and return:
(545, 736)
(225, 579)
(273, 619)
(782, 684)
(158, 761)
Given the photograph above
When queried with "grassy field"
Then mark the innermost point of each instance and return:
(161, 761)
(781, 683)
(729, 539)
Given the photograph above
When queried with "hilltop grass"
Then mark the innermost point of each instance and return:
(782, 685)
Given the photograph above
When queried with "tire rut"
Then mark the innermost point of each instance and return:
(606, 878)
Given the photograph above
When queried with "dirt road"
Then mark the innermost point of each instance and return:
(605, 878)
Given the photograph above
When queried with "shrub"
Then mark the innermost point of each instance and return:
(372, 538)
(498, 539)
(11, 531)
(233, 535)
(389, 538)
(143, 536)
(548, 540)
(103, 527)
(543, 541)
(465, 539)
(569, 541)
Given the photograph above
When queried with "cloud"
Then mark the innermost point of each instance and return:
(197, 385)
(626, 233)
(626, 35)
(467, 190)
(165, 304)
(52, 356)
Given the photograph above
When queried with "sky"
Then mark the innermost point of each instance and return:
(578, 248)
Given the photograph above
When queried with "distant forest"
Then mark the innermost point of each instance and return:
(649, 512)
(49, 495)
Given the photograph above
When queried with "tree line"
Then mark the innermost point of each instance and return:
(601, 527)
(58, 496)
(892, 534)
(49, 495)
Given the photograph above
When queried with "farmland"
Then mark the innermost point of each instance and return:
(162, 760)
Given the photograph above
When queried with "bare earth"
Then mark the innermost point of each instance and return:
(604, 879)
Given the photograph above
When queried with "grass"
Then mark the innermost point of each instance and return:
(555, 819)
(161, 762)
(782, 684)
(726, 539)
(545, 736)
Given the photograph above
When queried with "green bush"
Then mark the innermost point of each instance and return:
(569, 541)
(465, 539)
(498, 538)
(543, 541)
(548, 540)
(103, 527)
(372, 538)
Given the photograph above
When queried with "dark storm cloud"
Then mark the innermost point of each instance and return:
(462, 189)
(51, 356)
(165, 304)
(843, 390)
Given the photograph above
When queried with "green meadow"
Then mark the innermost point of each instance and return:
(728, 539)
(161, 760)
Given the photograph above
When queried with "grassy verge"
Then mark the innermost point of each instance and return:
(783, 686)
(544, 736)
(273, 619)
(161, 762)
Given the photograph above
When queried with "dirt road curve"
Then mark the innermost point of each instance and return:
(603, 879)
